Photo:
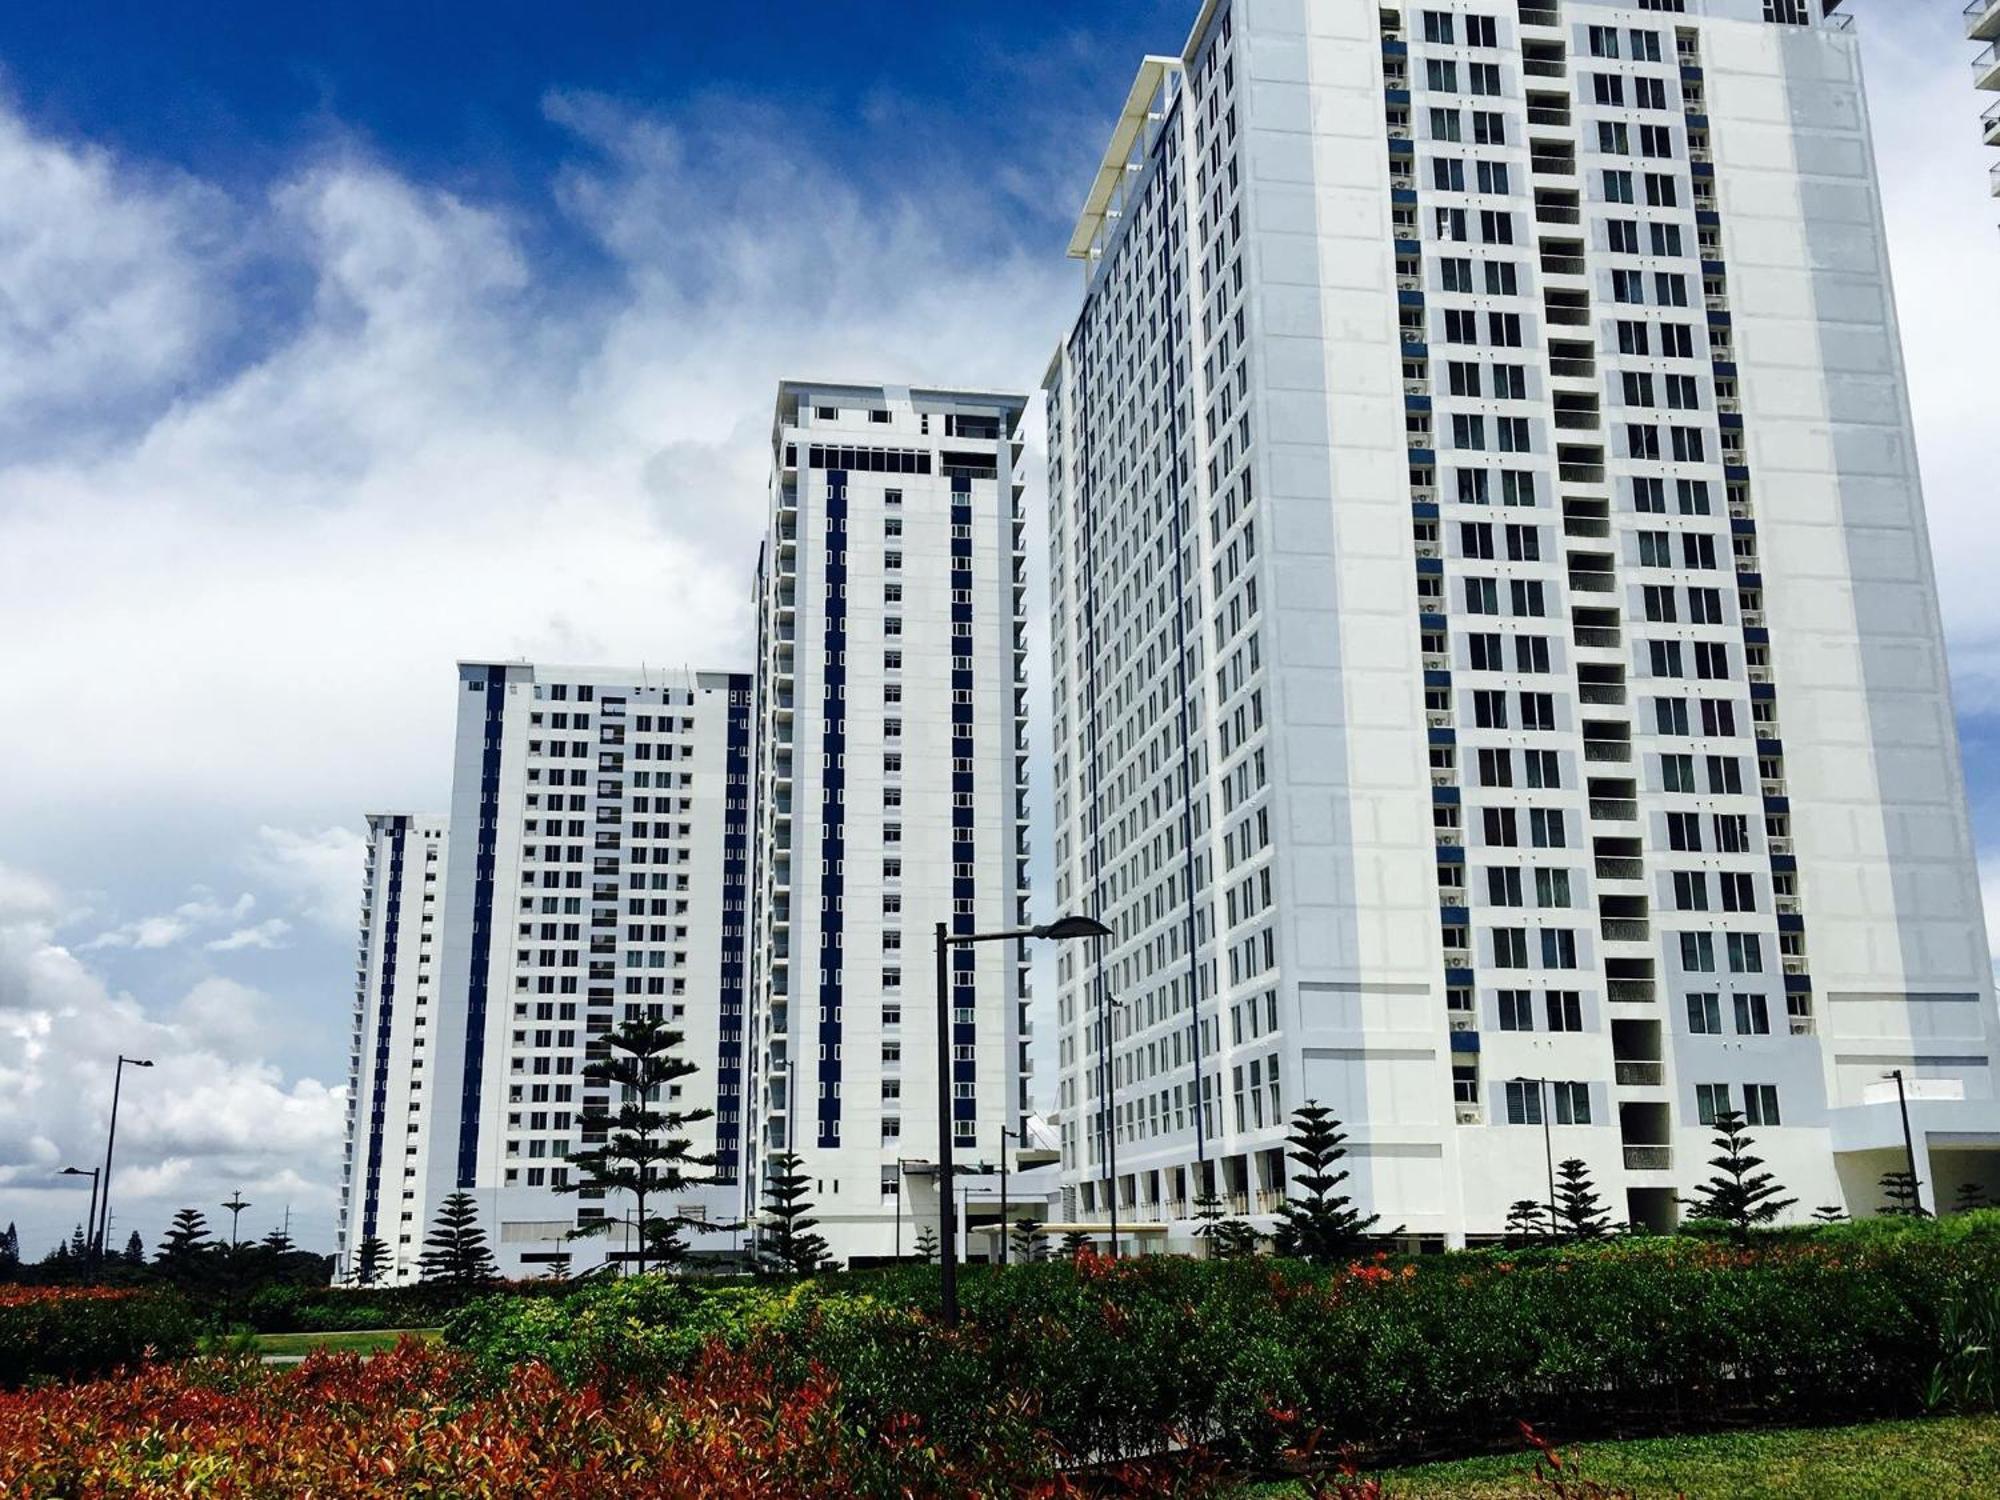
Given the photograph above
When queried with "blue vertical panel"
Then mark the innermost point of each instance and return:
(730, 994)
(833, 747)
(385, 1010)
(482, 927)
(966, 1069)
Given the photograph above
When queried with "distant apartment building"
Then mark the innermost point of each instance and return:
(891, 777)
(395, 1001)
(1498, 682)
(603, 821)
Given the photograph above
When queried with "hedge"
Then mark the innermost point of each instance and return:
(1434, 1355)
(67, 1333)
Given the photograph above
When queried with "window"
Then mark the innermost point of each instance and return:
(1710, 1100)
(1697, 953)
(1503, 885)
(1444, 125)
(1684, 832)
(1546, 827)
(1704, 1010)
(1572, 1101)
(1746, 953)
(1496, 768)
(1441, 75)
(1448, 174)
(1624, 239)
(1690, 890)
(1517, 1011)
(1760, 1104)
(1492, 178)
(1510, 948)
(1501, 278)
(1531, 654)
(1604, 41)
(1481, 31)
(1565, 1010)
(1617, 186)
(1438, 28)
(1462, 377)
(1552, 888)
(1488, 127)
(1664, 657)
(1499, 827)
(1753, 1015)
(1524, 1101)
(1558, 948)
(1542, 768)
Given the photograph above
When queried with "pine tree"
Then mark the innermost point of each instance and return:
(277, 1243)
(645, 1150)
(1971, 1196)
(1528, 1219)
(1026, 1241)
(558, 1266)
(187, 1254)
(789, 1243)
(1738, 1195)
(1227, 1237)
(79, 1247)
(1321, 1225)
(10, 1252)
(1829, 1213)
(1904, 1198)
(1580, 1213)
(455, 1252)
(370, 1260)
(927, 1243)
(135, 1249)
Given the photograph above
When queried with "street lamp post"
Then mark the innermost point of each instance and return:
(110, 1141)
(1061, 928)
(89, 1248)
(1005, 1135)
(1909, 1142)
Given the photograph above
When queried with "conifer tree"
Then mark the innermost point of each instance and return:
(1904, 1198)
(1738, 1194)
(1970, 1197)
(644, 1149)
(927, 1243)
(186, 1249)
(1319, 1224)
(371, 1260)
(1580, 1213)
(1528, 1219)
(789, 1243)
(10, 1252)
(1226, 1236)
(135, 1249)
(1026, 1238)
(1829, 1213)
(455, 1252)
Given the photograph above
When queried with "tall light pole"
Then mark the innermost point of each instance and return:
(946, 940)
(90, 1241)
(235, 1205)
(1909, 1144)
(1005, 1135)
(110, 1141)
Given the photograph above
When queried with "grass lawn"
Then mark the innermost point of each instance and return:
(361, 1341)
(1937, 1458)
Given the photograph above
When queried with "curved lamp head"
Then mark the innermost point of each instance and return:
(78, 1172)
(140, 1062)
(1074, 927)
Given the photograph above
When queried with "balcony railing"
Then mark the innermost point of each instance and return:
(1644, 1075)
(1982, 20)
(1649, 1158)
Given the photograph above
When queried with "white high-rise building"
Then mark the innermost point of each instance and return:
(1982, 24)
(891, 782)
(1498, 677)
(602, 821)
(395, 1001)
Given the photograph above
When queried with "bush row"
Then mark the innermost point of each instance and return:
(1241, 1357)
(66, 1333)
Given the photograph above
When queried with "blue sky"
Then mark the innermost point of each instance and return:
(337, 343)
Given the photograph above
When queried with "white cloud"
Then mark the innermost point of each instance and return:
(269, 933)
(208, 1116)
(185, 920)
(319, 871)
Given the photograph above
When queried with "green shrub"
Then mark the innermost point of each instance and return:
(1434, 1354)
(68, 1333)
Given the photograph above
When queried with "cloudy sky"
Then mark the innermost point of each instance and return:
(336, 347)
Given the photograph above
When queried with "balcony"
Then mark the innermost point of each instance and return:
(1986, 68)
(1640, 1075)
(1982, 20)
(1989, 126)
(1649, 1158)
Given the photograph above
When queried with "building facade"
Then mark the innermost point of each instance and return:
(1499, 689)
(603, 819)
(891, 777)
(1982, 24)
(395, 1001)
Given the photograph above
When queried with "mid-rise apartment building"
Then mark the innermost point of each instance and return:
(602, 819)
(1498, 678)
(395, 1002)
(891, 777)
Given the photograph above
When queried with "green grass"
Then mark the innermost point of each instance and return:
(1937, 1458)
(362, 1341)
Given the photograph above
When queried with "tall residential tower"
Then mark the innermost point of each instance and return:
(1498, 678)
(395, 1001)
(891, 778)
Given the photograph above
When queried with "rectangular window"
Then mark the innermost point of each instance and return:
(1710, 1100)
(1565, 1010)
(1704, 1011)
(1760, 1104)
(1753, 1015)
(1524, 1101)
(1572, 1101)
(1517, 1011)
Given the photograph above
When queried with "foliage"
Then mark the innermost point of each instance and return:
(187, 1255)
(455, 1251)
(1226, 1236)
(788, 1242)
(1739, 1195)
(424, 1421)
(927, 1243)
(642, 1149)
(1829, 1213)
(1528, 1219)
(1970, 1196)
(1580, 1212)
(633, 1328)
(369, 1260)
(71, 1332)
(1025, 1241)
(1319, 1225)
